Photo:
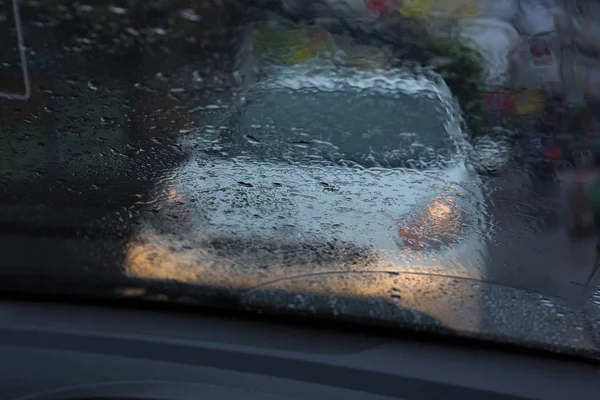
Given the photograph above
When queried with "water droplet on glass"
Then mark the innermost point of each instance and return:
(160, 31)
(252, 139)
(117, 10)
(190, 15)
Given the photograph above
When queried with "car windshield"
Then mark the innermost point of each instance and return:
(393, 129)
(416, 165)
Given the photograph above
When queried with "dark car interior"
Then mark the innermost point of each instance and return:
(54, 351)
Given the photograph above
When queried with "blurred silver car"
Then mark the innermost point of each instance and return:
(374, 160)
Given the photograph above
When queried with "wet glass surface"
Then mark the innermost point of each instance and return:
(427, 164)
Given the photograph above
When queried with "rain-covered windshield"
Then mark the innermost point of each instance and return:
(426, 165)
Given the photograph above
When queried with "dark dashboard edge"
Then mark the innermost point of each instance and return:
(315, 323)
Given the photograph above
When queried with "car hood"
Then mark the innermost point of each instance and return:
(286, 202)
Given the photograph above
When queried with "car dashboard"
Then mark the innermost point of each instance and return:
(53, 351)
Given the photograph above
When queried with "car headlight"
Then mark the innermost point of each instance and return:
(439, 224)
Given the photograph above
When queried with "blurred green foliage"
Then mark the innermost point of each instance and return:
(464, 73)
